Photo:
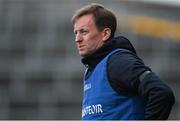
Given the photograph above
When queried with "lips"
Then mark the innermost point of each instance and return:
(81, 47)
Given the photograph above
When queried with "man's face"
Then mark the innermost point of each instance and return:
(87, 37)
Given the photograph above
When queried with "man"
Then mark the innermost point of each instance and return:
(117, 84)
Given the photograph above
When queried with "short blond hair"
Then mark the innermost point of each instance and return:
(103, 18)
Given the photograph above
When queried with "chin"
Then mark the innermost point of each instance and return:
(83, 54)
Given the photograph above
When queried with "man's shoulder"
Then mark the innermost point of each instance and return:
(123, 55)
(120, 72)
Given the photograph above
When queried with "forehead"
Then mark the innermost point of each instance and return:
(84, 21)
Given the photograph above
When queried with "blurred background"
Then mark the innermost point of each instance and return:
(40, 69)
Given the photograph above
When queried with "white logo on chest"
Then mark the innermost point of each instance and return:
(87, 87)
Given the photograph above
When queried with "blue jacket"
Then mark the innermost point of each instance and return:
(126, 74)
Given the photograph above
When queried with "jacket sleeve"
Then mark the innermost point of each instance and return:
(158, 95)
(124, 70)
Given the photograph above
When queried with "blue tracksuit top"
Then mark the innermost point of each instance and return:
(101, 102)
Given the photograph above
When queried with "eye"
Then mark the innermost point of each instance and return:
(83, 32)
(75, 32)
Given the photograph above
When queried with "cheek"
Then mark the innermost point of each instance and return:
(92, 43)
(92, 40)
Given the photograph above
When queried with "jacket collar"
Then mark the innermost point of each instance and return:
(111, 44)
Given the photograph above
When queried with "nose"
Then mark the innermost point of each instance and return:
(78, 38)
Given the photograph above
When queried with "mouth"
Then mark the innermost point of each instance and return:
(81, 47)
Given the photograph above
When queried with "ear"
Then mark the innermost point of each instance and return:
(106, 33)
